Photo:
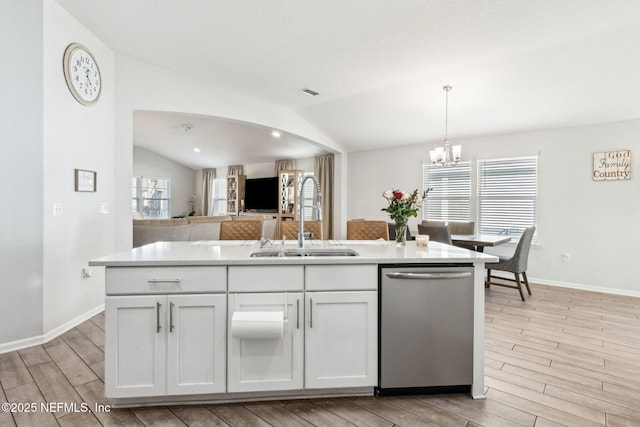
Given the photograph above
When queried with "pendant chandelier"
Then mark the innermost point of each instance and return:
(447, 155)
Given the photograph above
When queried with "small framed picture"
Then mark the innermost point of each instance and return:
(85, 180)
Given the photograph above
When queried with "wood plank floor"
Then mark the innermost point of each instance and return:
(563, 357)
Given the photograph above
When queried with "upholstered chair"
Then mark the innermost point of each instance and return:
(392, 231)
(367, 230)
(462, 227)
(241, 230)
(433, 223)
(516, 264)
(436, 233)
(289, 229)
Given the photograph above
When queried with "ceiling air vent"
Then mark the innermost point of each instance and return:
(310, 92)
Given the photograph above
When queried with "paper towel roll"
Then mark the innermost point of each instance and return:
(257, 324)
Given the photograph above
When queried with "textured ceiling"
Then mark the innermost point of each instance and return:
(380, 65)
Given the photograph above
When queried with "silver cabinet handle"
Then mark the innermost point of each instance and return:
(297, 314)
(428, 276)
(164, 281)
(158, 305)
(311, 313)
(171, 316)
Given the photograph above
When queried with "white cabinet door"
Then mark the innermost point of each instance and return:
(263, 364)
(196, 352)
(158, 345)
(135, 343)
(341, 339)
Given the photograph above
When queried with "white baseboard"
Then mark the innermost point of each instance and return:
(41, 339)
(583, 287)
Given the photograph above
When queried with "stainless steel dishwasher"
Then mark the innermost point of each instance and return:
(426, 329)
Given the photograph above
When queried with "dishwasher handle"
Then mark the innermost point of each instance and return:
(428, 276)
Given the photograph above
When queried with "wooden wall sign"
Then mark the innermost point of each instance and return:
(612, 165)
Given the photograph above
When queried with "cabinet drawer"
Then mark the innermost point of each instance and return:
(266, 278)
(341, 277)
(165, 280)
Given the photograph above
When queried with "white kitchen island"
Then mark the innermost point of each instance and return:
(171, 334)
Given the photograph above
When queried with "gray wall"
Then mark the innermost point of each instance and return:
(75, 136)
(594, 221)
(183, 183)
(21, 172)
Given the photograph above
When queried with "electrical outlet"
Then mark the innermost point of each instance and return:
(566, 257)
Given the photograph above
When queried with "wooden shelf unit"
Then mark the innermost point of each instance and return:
(289, 182)
(235, 193)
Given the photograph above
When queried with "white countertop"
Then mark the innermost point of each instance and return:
(237, 252)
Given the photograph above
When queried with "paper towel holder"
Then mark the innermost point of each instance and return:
(285, 307)
(257, 324)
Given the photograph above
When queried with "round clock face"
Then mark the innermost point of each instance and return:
(82, 74)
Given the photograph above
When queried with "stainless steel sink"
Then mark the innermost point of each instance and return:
(306, 252)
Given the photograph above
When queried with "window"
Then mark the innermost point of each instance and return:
(220, 196)
(507, 190)
(450, 199)
(506, 194)
(135, 201)
(151, 197)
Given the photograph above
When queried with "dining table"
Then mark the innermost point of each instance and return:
(479, 241)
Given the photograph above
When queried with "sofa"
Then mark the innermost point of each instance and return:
(191, 228)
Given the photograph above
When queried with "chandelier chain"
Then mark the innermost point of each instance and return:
(446, 111)
(446, 117)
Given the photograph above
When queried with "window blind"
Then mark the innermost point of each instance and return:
(135, 201)
(450, 197)
(507, 191)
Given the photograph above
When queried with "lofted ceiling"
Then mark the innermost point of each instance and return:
(379, 65)
(220, 142)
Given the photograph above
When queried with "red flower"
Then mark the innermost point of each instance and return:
(397, 194)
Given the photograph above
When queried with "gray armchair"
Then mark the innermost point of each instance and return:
(517, 265)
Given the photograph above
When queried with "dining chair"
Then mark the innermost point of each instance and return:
(367, 230)
(392, 232)
(290, 229)
(516, 264)
(431, 223)
(437, 233)
(462, 227)
(241, 230)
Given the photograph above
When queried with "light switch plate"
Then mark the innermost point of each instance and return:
(58, 209)
(104, 208)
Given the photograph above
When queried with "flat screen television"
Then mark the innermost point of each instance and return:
(261, 194)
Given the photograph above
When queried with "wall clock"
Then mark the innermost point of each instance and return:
(82, 74)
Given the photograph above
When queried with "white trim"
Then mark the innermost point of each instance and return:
(585, 287)
(244, 396)
(41, 339)
(477, 385)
